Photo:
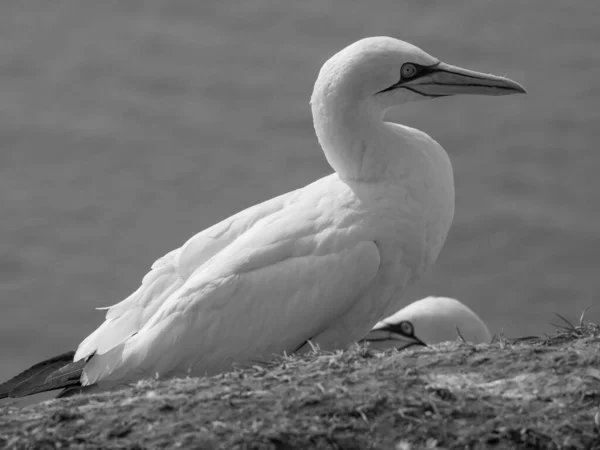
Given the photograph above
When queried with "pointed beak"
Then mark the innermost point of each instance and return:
(443, 79)
(382, 338)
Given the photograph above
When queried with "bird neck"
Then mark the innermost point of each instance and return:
(344, 134)
(360, 146)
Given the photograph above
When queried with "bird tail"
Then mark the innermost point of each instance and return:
(59, 372)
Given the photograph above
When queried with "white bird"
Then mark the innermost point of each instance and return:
(428, 321)
(322, 263)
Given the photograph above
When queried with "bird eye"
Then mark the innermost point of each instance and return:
(407, 328)
(408, 70)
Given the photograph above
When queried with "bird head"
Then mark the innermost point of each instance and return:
(386, 72)
(399, 335)
(426, 322)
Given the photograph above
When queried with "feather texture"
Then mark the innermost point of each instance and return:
(53, 373)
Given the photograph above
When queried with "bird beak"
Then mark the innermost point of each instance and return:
(399, 341)
(443, 79)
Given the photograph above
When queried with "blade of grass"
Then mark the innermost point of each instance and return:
(564, 320)
(460, 336)
(583, 315)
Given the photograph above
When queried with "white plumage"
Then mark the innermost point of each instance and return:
(324, 262)
(429, 321)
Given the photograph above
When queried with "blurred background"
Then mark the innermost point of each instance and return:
(127, 127)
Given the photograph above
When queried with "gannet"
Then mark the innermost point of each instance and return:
(322, 263)
(428, 321)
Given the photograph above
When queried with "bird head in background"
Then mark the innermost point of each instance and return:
(426, 322)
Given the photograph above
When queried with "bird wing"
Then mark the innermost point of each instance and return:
(169, 273)
(285, 281)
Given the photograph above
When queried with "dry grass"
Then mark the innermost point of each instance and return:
(539, 393)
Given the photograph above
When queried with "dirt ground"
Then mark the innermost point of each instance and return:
(535, 393)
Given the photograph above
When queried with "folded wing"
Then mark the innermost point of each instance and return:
(266, 293)
(168, 274)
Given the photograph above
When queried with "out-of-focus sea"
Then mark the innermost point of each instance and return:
(126, 127)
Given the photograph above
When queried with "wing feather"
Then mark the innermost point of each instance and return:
(169, 273)
(245, 306)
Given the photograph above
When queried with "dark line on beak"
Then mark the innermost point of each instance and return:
(435, 69)
(412, 344)
(420, 93)
(378, 340)
(460, 85)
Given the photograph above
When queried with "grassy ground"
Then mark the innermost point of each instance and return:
(541, 393)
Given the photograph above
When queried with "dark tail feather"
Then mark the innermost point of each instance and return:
(36, 373)
(71, 391)
(54, 373)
